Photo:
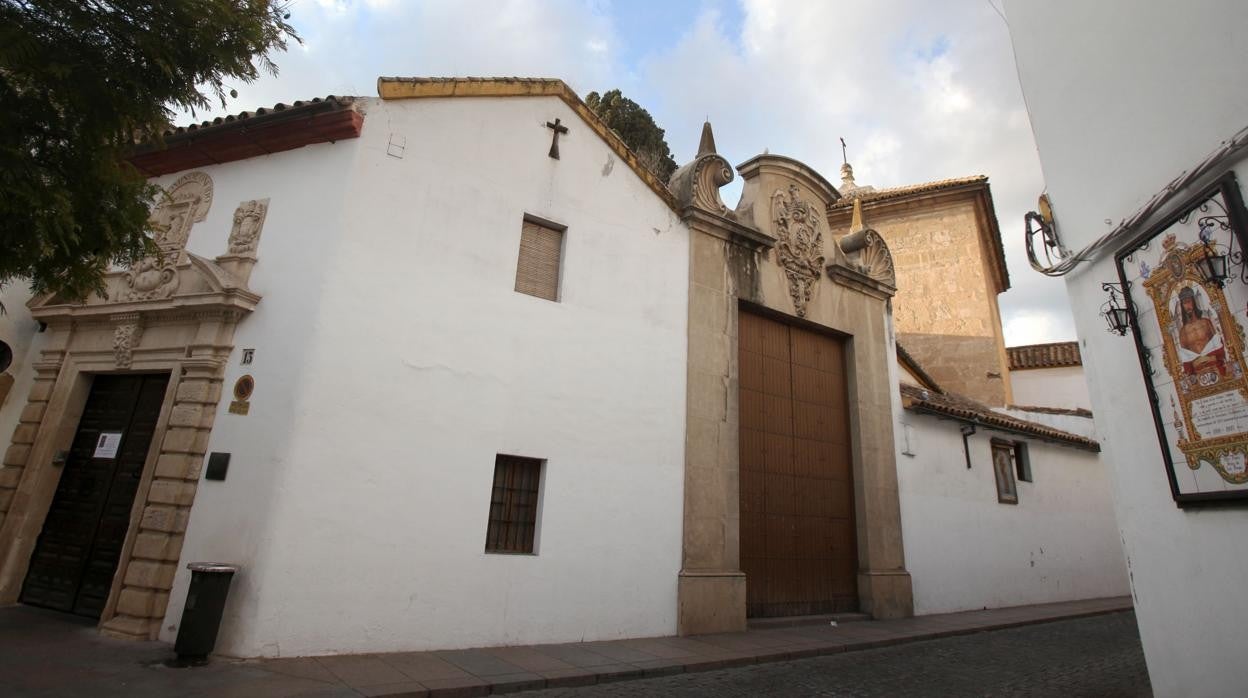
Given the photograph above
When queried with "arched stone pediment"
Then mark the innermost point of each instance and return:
(195, 283)
(171, 279)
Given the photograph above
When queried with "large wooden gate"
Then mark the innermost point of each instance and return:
(76, 555)
(798, 544)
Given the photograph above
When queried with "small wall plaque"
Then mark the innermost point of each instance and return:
(243, 388)
(218, 463)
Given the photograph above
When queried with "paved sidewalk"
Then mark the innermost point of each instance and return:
(46, 654)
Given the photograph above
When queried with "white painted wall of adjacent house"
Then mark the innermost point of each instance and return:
(965, 550)
(1059, 386)
(1123, 97)
(359, 488)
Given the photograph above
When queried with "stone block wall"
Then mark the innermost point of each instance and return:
(17, 455)
(945, 310)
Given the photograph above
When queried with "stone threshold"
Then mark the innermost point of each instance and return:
(485, 671)
(791, 621)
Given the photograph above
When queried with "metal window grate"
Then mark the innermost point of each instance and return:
(513, 505)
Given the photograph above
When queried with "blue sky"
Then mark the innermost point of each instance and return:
(919, 90)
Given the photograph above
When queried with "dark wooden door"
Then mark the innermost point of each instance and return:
(798, 545)
(76, 555)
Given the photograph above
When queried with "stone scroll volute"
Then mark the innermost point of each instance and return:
(697, 184)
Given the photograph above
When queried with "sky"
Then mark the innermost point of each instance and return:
(919, 90)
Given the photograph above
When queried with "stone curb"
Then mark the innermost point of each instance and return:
(480, 686)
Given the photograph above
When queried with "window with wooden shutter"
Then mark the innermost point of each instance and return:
(537, 272)
(513, 505)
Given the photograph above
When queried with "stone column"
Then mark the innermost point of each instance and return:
(149, 570)
(884, 588)
(17, 456)
(712, 586)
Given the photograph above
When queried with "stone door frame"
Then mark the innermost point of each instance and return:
(193, 349)
(771, 255)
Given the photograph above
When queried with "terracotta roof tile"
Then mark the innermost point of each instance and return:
(908, 360)
(1072, 411)
(262, 111)
(1051, 355)
(968, 410)
(895, 192)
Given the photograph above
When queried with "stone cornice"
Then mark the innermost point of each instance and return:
(858, 281)
(974, 190)
(726, 229)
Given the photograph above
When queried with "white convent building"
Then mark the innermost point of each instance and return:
(448, 367)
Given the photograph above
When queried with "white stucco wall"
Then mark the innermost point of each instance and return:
(359, 488)
(1123, 96)
(1060, 386)
(964, 550)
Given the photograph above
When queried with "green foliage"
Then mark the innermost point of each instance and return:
(79, 79)
(636, 128)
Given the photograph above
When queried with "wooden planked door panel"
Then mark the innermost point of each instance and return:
(798, 547)
(76, 555)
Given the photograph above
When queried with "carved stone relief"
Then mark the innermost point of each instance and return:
(866, 250)
(155, 277)
(248, 220)
(873, 257)
(152, 278)
(185, 204)
(126, 339)
(799, 246)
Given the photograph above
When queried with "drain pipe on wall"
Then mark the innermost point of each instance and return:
(968, 430)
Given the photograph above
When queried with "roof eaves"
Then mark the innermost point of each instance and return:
(975, 185)
(966, 410)
(911, 363)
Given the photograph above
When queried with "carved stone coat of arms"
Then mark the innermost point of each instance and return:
(799, 244)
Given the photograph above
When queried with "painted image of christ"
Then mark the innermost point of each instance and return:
(1196, 332)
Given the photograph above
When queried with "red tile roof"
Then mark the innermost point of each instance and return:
(249, 134)
(907, 190)
(1051, 355)
(967, 410)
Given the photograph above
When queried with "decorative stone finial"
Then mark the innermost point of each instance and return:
(706, 146)
(697, 183)
(856, 223)
(847, 177)
(850, 188)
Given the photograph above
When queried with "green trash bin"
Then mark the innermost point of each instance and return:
(201, 616)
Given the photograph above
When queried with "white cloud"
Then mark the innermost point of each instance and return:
(919, 90)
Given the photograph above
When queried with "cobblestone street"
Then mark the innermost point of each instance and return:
(1098, 656)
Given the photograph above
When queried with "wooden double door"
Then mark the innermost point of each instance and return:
(76, 556)
(798, 542)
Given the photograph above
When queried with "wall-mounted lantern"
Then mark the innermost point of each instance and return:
(1116, 315)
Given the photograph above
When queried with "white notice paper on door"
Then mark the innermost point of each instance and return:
(107, 446)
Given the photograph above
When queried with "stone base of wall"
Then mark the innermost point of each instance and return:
(886, 594)
(711, 602)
